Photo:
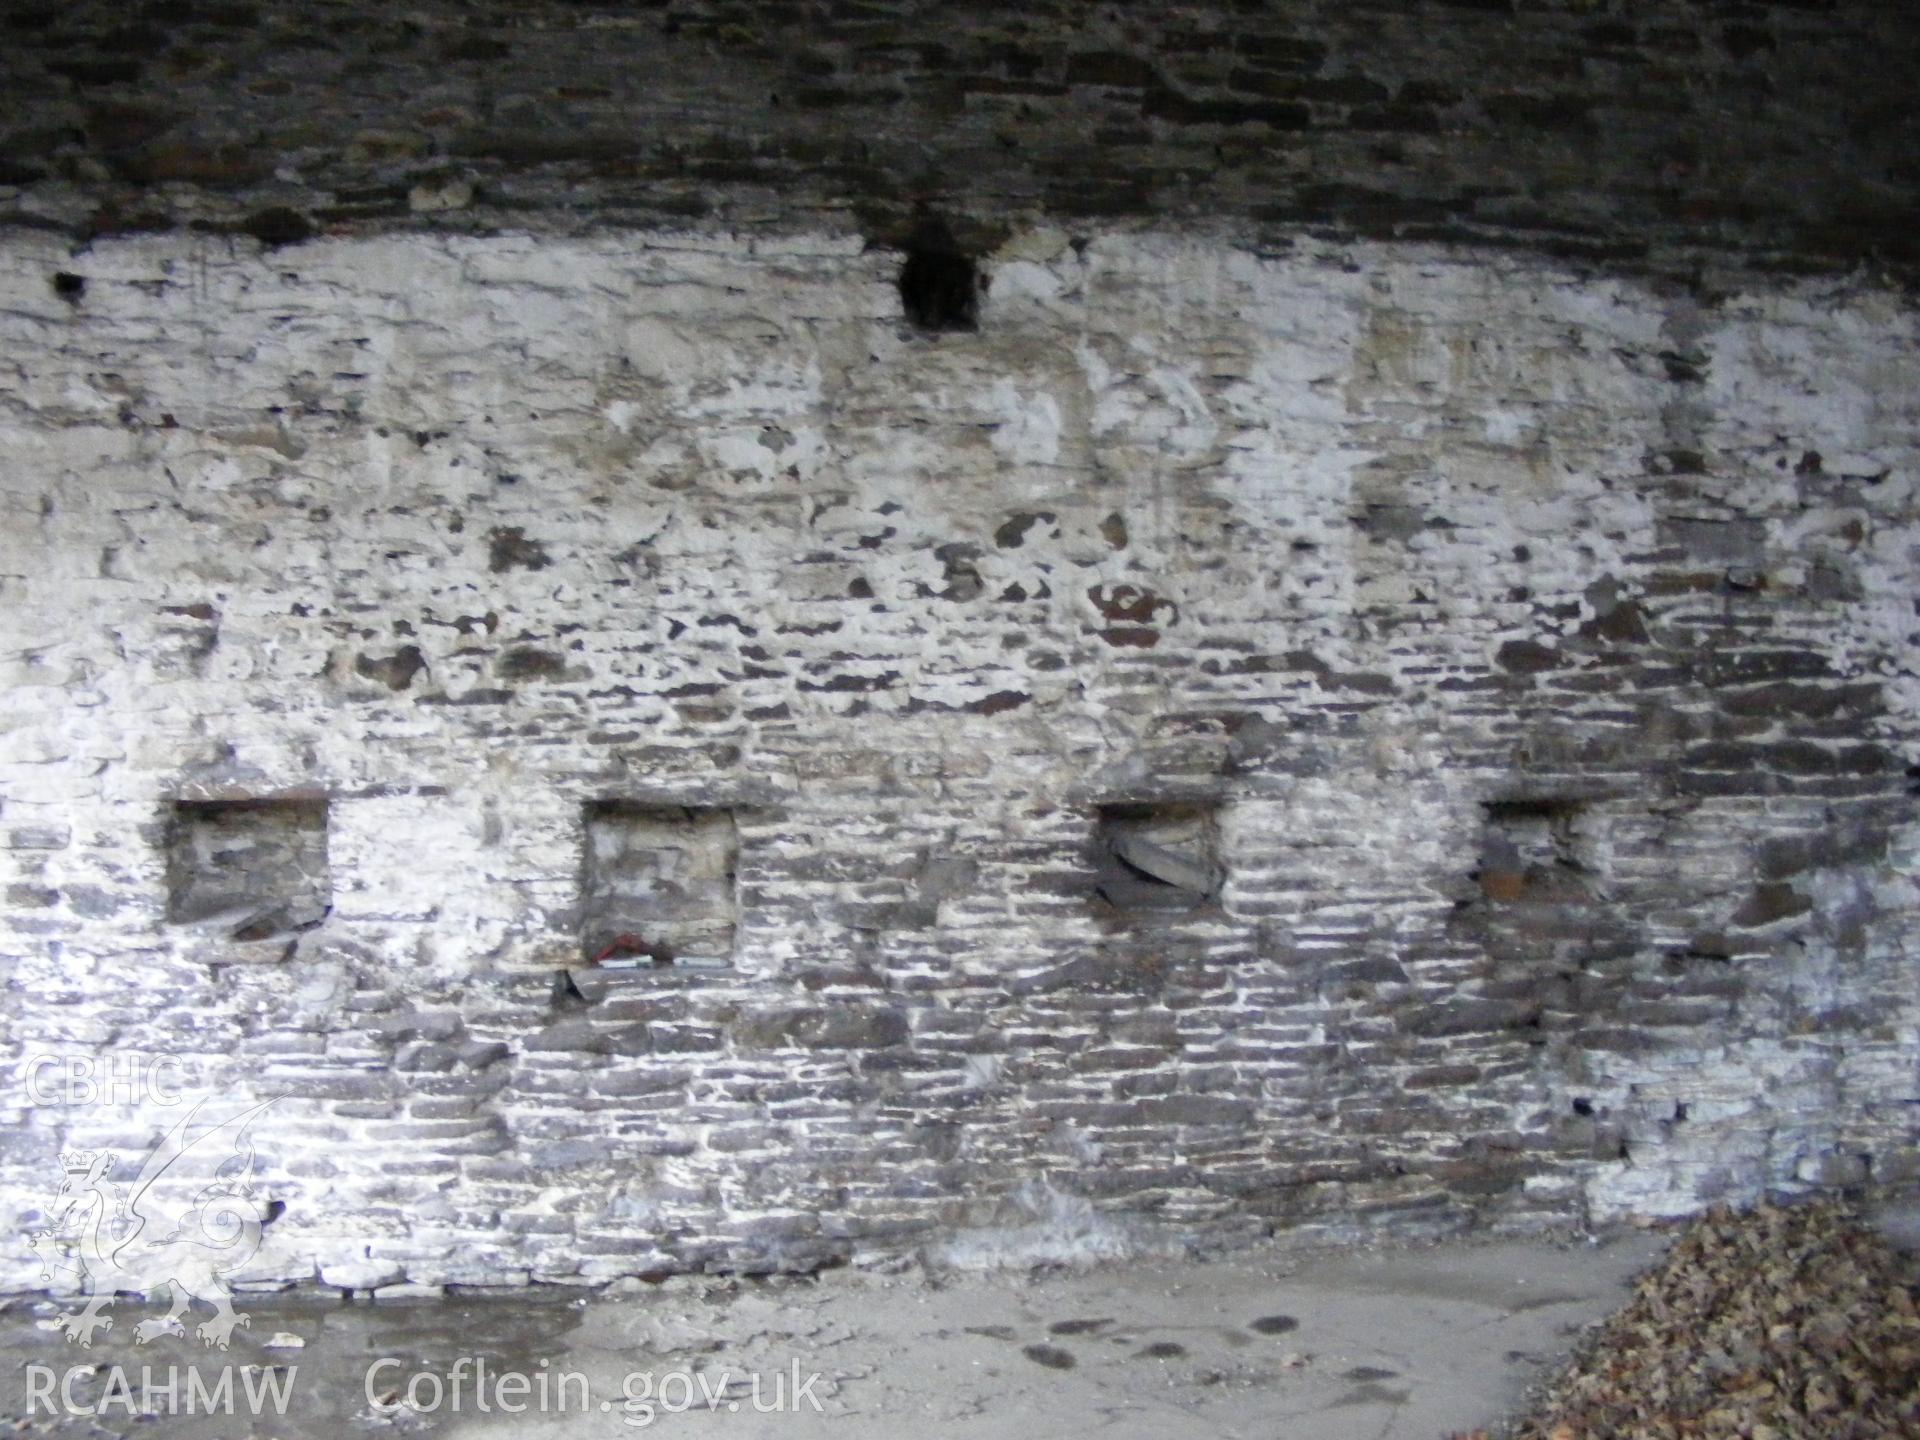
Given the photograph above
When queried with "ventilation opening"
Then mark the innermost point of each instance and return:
(939, 285)
(1158, 859)
(1533, 850)
(659, 886)
(255, 869)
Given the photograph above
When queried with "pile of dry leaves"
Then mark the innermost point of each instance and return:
(1783, 1323)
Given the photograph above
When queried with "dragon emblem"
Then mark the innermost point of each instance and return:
(132, 1241)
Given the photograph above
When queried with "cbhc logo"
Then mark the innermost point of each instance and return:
(104, 1080)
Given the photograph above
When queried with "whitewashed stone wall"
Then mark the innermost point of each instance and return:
(465, 536)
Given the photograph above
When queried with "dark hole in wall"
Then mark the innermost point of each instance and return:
(69, 286)
(277, 225)
(939, 284)
(566, 994)
(658, 885)
(253, 868)
(1157, 858)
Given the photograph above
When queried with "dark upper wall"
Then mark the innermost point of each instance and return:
(1633, 132)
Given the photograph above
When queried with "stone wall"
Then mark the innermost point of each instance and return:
(1657, 133)
(1238, 743)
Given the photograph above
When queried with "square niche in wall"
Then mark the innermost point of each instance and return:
(256, 869)
(659, 887)
(1158, 858)
(1534, 850)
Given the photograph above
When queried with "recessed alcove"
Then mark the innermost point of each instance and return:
(1157, 858)
(658, 885)
(1533, 849)
(254, 868)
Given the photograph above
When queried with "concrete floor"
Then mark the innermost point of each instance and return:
(1368, 1344)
